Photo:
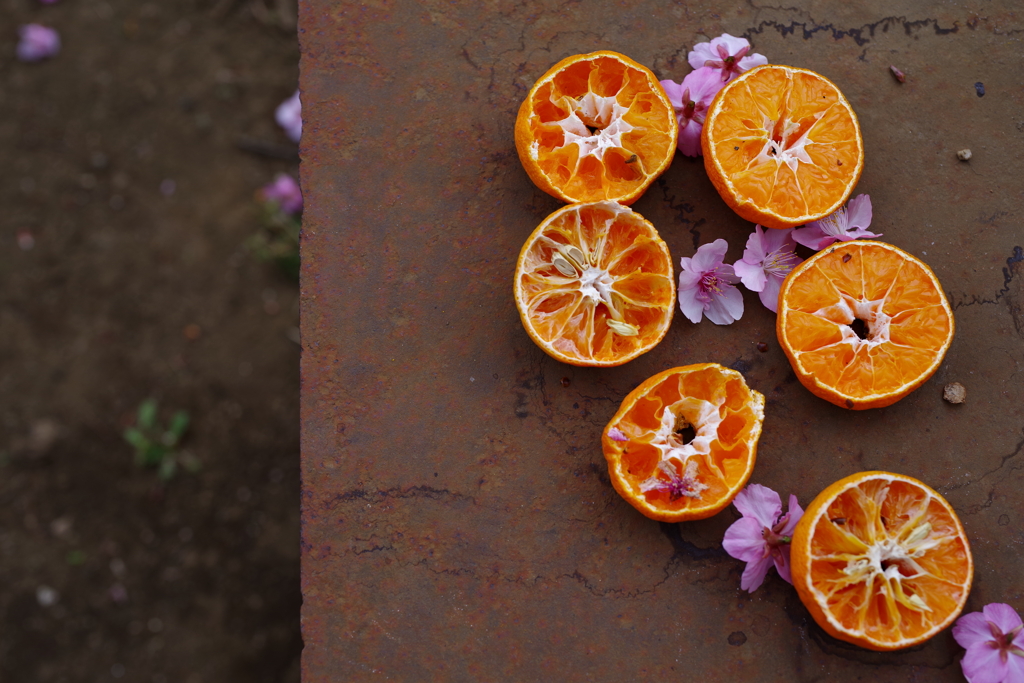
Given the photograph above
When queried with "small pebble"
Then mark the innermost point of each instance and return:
(964, 155)
(955, 393)
(979, 88)
(47, 596)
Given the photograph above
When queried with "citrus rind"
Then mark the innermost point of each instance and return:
(908, 319)
(646, 458)
(587, 133)
(594, 285)
(779, 143)
(900, 562)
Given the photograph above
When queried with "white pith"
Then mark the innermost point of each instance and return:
(849, 309)
(785, 152)
(604, 113)
(704, 417)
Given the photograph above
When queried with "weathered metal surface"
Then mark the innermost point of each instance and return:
(458, 523)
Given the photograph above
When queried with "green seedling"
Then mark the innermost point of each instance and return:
(278, 240)
(157, 446)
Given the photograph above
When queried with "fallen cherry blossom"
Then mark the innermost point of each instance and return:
(728, 55)
(848, 223)
(761, 537)
(994, 640)
(767, 259)
(707, 286)
(691, 99)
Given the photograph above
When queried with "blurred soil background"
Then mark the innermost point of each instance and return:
(129, 169)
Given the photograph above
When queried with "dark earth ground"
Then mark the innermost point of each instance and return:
(195, 580)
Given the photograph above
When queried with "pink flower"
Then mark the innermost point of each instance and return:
(615, 434)
(848, 223)
(289, 117)
(767, 260)
(677, 485)
(761, 537)
(706, 286)
(37, 43)
(727, 54)
(285, 192)
(691, 99)
(994, 641)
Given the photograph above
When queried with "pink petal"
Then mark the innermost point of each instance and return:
(743, 540)
(760, 503)
(701, 53)
(769, 294)
(688, 277)
(674, 92)
(703, 83)
(813, 237)
(732, 44)
(858, 234)
(751, 61)
(753, 575)
(37, 42)
(751, 275)
(782, 565)
(795, 512)
(858, 212)
(689, 138)
(615, 434)
(774, 240)
(709, 256)
(289, 116)
(726, 307)
(982, 664)
(1002, 615)
(755, 250)
(1014, 669)
(726, 273)
(689, 305)
(971, 629)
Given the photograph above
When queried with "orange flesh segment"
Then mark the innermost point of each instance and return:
(634, 284)
(626, 162)
(787, 142)
(725, 416)
(881, 543)
(904, 341)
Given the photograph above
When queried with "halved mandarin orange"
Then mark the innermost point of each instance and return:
(863, 323)
(594, 285)
(782, 146)
(596, 126)
(881, 561)
(684, 442)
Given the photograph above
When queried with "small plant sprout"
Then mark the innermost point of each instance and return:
(157, 446)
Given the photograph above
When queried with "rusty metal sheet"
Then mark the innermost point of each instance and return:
(458, 522)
